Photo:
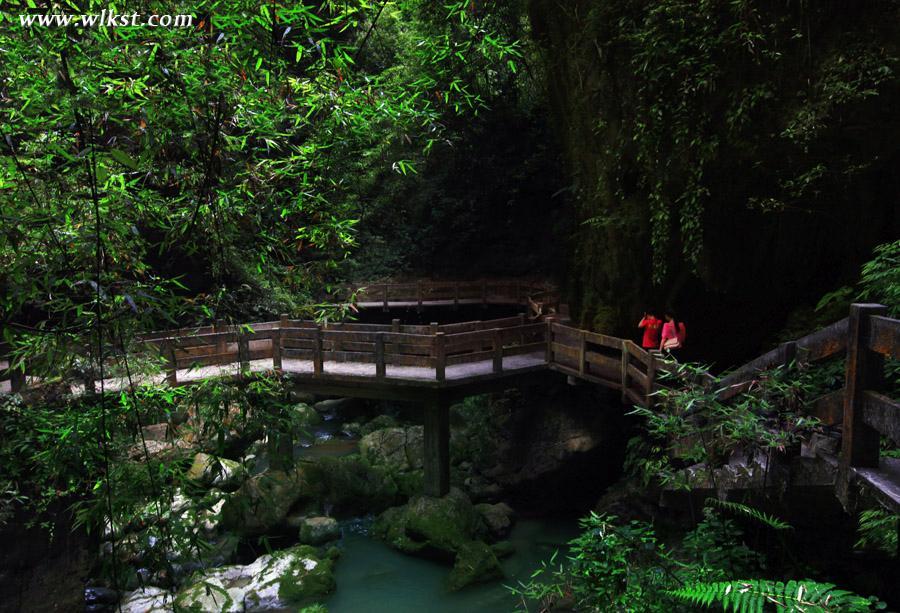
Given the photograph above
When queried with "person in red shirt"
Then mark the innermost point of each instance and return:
(651, 326)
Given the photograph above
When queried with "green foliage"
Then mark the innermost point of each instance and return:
(765, 595)
(880, 278)
(878, 531)
(692, 423)
(755, 514)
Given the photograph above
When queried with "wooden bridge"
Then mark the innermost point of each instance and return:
(437, 364)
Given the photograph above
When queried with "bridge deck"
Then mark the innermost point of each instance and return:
(345, 371)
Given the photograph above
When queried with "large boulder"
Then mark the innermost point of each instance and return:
(284, 580)
(395, 448)
(147, 600)
(430, 526)
(211, 471)
(319, 530)
(169, 450)
(475, 562)
(497, 517)
(338, 406)
(350, 485)
(263, 501)
(448, 529)
(157, 432)
(305, 416)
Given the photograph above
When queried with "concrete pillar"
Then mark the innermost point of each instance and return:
(437, 448)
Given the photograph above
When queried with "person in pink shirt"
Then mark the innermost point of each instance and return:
(673, 334)
(651, 326)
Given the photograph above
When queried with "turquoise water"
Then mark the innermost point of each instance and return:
(373, 578)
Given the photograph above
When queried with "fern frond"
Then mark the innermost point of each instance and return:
(755, 514)
(758, 595)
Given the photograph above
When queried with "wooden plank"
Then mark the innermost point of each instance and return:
(523, 349)
(440, 356)
(634, 396)
(565, 350)
(610, 383)
(884, 336)
(469, 358)
(637, 375)
(883, 481)
(276, 352)
(604, 340)
(379, 356)
(864, 370)
(825, 343)
(828, 408)
(751, 369)
(550, 337)
(349, 356)
(883, 414)
(497, 365)
(599, 359)
(317, 352)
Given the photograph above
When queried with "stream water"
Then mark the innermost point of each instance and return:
(374, 578)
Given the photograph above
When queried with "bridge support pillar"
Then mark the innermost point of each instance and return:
(437, 448)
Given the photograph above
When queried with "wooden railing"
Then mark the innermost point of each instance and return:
(432, 346)
(867, 336)
(607, 360)
(868, 413)
(485, 292)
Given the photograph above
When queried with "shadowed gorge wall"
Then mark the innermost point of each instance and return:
(731, 150)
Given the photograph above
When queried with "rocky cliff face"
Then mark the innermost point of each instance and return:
(729, 152)
(554, 448)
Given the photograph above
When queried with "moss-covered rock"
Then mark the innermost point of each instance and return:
(497, 517)
(211, 471)
(147, 600)
(394, 448)
(503, 549)
(475, 562)
(285, 579)
(436, 527)
(263, 501)
(305, 416)
(351, 485)
(319, 530)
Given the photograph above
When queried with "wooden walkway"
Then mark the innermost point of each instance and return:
(437, 363)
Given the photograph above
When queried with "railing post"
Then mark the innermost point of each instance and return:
(582, 343)
(220, 327)
(244, 352)
(168, 351)
(395, 326)
(788, 353)
(380, 368)
(436, 441)
(549, 336)
(498, 350)
(276, 351)
(651, 378)
(624, 371)
(521, 325)
(284, 321)
(317, 350)
(385, 305)
(440, 357)
(17, 379)
(864, 370)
